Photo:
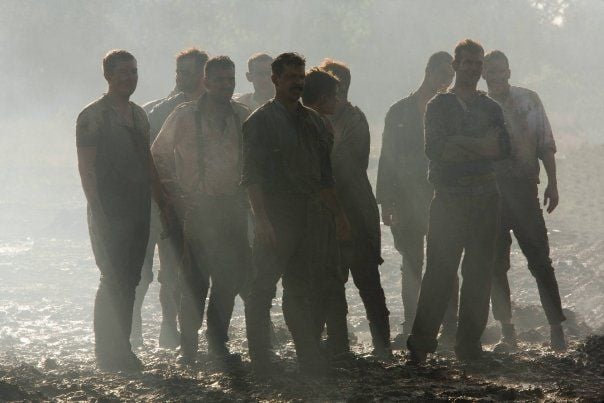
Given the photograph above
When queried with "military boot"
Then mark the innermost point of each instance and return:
(558, 343)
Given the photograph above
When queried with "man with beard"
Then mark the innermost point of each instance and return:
(190, 65)
(404, 191)
(259, 74)
(287, 173)
(118, 178)
(464, 134)
(330, 308)
(198, 157)
(361, 255)
(518, 176)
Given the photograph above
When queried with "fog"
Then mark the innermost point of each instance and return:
(50, 68)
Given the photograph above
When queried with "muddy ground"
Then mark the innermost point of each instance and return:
(48, 279)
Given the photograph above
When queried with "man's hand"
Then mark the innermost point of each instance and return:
(343, 228)
(550, 197)
(265, 234)
(389, 214)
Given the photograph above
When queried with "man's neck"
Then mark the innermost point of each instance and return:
(464, 91)
(500, 96)
(117, 100)
(192, 96)
(425, 92)
(289, 104)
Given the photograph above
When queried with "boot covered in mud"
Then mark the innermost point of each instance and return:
(509, 340)
(558, 342)
(218, 351)
(468, 351)
(119, 363)
(380, 336)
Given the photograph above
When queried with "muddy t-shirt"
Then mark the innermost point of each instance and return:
(530, 135)
(122, 158)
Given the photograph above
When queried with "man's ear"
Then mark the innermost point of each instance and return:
(275, 79)
(455, 64)
(248, 76)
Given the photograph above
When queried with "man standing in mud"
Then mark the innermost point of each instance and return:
(361, 255)
(198, 157)
(328, 279)
(259, 74)
(190, 65)
(464, 132)
(518, 176)
(286, 170)
(404, 191)
(118, 178)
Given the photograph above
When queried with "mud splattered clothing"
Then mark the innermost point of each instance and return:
(198, 157)
(464, 215)
(531, 137)
(124, 188)
(402, 183)
(362, 254)
(287, 156)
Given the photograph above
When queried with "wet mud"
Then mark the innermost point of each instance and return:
(48, 279)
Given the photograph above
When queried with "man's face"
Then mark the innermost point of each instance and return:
(188, 75)
(497, 75)
(220, 84)
(260, 76)
(442, 76)
(290, 83)
(124, 77)
(469, 67)
(328, 103)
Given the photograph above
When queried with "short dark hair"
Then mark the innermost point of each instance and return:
(495, 55)
(113, 57)
(218, 63)
(199, 56)
(318, 82)
(340, 70)
(468, 45)
(287, 59)
(438, 59)
(256, 58)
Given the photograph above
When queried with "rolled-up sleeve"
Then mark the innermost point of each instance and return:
(255, 152)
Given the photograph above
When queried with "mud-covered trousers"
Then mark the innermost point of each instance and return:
(169, 261)
(328, 282)
(409, 234)
(216, 237)
(288, 260)
(462, 220)
(119, 250)
(521, 213)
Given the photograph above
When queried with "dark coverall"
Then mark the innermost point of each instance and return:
(360, 255)
(464, 216)
(288, 157)
(168, 256)
(124, 188)
(402, 182)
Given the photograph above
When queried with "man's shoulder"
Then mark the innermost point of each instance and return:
(261, 112)
(525, 95)
(137, 109)
(93, 110)
(168, 104)
(354, 114)
(400, 106)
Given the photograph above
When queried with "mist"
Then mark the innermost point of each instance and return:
(50, 68)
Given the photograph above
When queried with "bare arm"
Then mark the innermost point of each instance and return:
(550, 197)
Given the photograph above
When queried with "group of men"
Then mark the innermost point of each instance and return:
(238, 194)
